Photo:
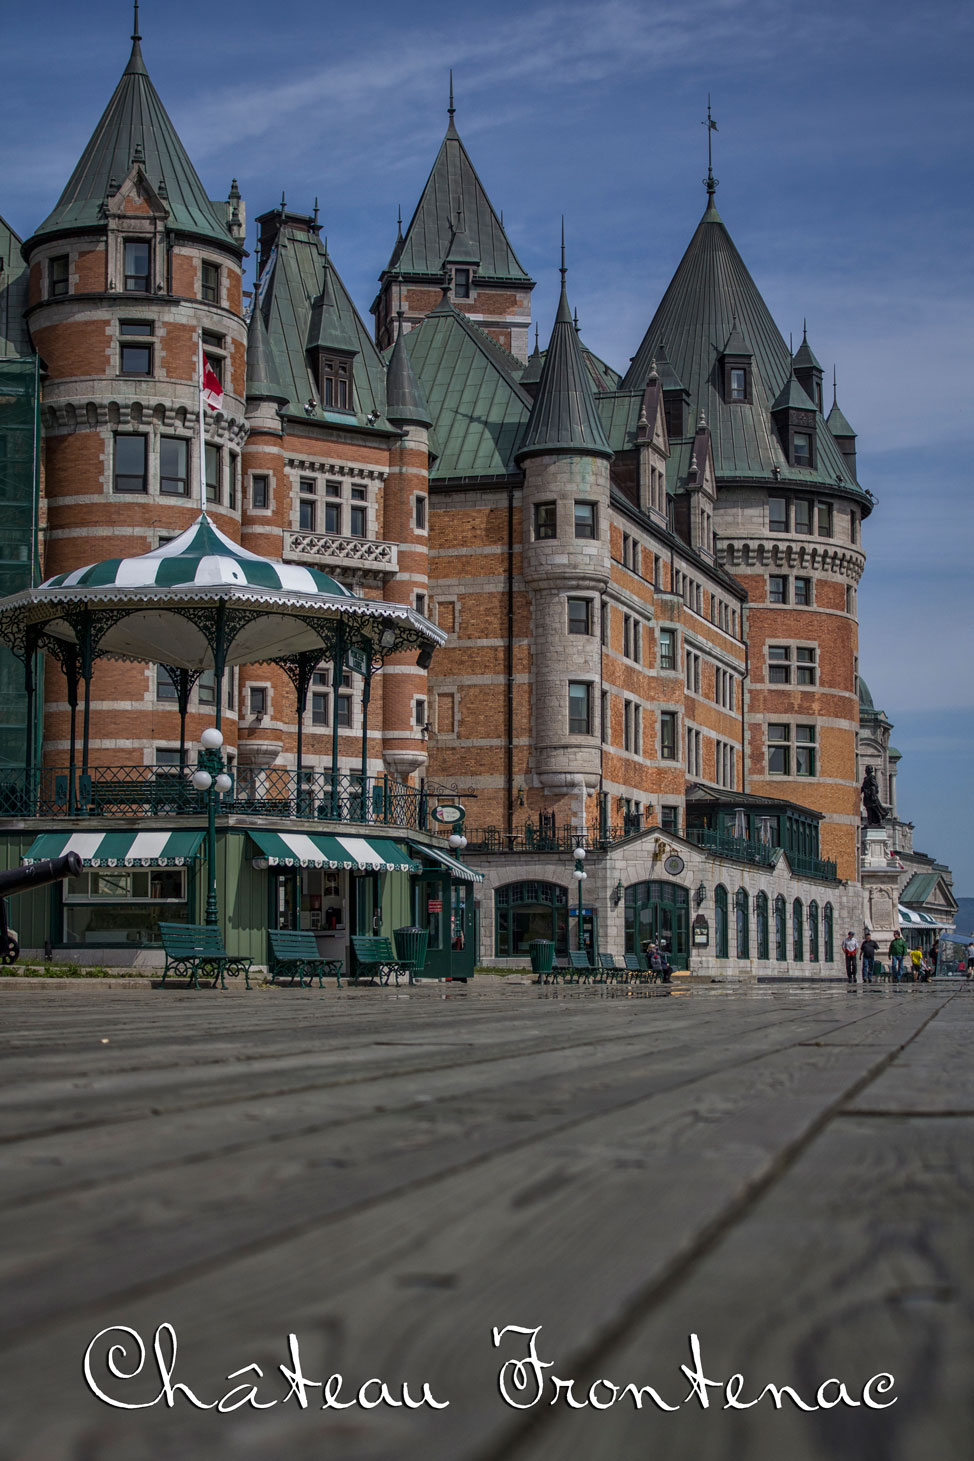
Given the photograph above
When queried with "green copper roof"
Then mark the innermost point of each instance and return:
(479, 411)
(330, 327)
(429, 240)
(14, 340)
(837, 423)
(894, 754)
(262, 381)
(136, 127)
(405, 400)
(695, 318)
(291, 292)
(919, 888)
(805, 358)
(564, 416)
(792, 397)
(619, 413)
(865, 699)
(735, 344)
(531, 373)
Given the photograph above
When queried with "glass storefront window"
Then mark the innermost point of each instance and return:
(527, 911)
(113, 906)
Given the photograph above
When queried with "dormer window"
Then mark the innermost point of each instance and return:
(138, 265)
(801, 448)
(738, 383)
(336, 382)
(461, 283)
(673, 410)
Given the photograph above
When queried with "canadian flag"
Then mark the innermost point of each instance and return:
(211, 387)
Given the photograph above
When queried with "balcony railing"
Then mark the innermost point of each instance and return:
(739, 849)
(328, 550)
(823, 868)
(532, 839)
(152, 791)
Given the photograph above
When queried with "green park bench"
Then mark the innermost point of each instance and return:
(613, 971)
(152, 796)
(295, 954)
(375, 958)
(636, 964)
(193, 949)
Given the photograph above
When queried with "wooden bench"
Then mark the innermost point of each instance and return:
(376, 959)
(193, 949)
(295, 953)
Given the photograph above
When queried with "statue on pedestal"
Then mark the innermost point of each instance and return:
(876, 812)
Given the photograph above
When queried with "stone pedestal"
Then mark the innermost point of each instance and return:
(880, 884)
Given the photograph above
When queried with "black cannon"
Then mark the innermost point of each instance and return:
(18, 879)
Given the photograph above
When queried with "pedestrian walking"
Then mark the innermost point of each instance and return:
(916, 963)
(897, 950)
(869, 950)
(850, 947)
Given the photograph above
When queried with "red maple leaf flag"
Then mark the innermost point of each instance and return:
(212, 389)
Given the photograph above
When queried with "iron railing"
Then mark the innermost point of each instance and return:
(823, 868)
(154, 791)
(553, 840)
(739, 849)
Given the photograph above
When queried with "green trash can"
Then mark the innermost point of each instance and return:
(542, 955)
(411, 947)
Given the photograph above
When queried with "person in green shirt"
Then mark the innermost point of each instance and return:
(897, 951)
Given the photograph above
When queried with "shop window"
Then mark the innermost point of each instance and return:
(527, 911)
(130, 463)
(173, 466)
(123, 907)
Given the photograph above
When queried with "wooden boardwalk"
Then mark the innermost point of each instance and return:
(388, 1174)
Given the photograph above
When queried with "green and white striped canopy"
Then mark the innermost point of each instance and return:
(202, 556)
(118, 849)
(300, 849)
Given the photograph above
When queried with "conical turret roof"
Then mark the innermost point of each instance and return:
(405, 400)
(696, 318)
(564, 416)
(805, 355)
(792, 396)
(262, 381)
(135, 126)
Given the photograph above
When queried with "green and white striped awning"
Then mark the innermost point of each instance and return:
(301, 849)
(916, 918)
(458, 870)
(118, 849)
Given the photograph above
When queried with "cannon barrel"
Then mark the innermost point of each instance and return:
(38, 874)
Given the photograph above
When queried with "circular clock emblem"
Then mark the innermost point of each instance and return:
(674, 865)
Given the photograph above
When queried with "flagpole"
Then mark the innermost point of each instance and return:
(199, 372)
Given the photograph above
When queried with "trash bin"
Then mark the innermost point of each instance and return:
(542, 955)
(411, 946)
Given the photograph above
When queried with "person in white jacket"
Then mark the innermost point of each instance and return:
(850, 947)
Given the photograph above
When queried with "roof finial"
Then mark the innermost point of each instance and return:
(451, 108)
(283, 202)
(135, 28)
(316, 211)
(537, 342)
(710, 182)
(835, 396)
(804, 332)
(578, 328)
(564, 271)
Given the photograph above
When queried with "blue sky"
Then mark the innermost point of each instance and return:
(843, 152)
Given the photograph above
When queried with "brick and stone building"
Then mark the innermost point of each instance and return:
(648, 581)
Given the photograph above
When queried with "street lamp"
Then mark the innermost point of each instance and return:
(580, 875)
(211, 777)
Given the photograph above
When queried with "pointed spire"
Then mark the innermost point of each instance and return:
(135, 23)
(531, 373)
(262, 383)
(840, 428)
(315, 215)
(405, 398)
(564, 417)
(451, 130)
(710, 182)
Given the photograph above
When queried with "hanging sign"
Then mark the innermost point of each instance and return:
(448, 812)
(357, 660)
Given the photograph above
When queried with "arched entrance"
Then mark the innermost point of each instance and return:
(659, 911)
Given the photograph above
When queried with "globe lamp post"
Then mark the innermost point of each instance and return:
(211, 777)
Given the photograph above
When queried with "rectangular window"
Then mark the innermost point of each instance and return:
(344, 715)
(167, 756)
(420, 513)
(137, 266)
(667, 735)
(579, 616)
(333, 517)
(319, 709)
(670, 819)
(850, 600)
(667, 649)
(778, 514)
(210, 283)
(206, 688)
(173, 466)
(738, 384)
(130, 463)
(804, 666)
(803, 591)
(359, 494)
(545, 520)
(803, 515)
(135, 360)
(336, 384)
(604, 716)
(332, 489)
(57, 275)
(586, 523)
(777, 588)
(461, 283)
(627, 709)
(135, 327)
(824, 519)
(779, 664)
(801, 447)
(258, 700)
(853, 527)
(356, 521)
(419, 713)
(306, 515)
(260, 491)
(165, 685)
(637, 730)
(579, 708)
(213, 473)
(805, 750)
(232, 482)
(419, 603)
(779, 749)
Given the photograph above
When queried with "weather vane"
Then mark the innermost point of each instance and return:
(710, 182)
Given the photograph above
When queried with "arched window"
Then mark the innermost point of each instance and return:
(797, 932)
(761, 924)
(827, 922)
(813, 931)
(720, 921)
(780, 930)
(743, 924)
(527, 911)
